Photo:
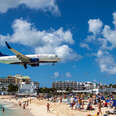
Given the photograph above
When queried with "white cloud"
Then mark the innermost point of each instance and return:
(114, 19)
(95, 25)
(106, 62)
(66, 53)
(110, 35)
(56, 74)
(45, 5)
(25, 33)
(3, 38)
(99, 53)
(84, 45)
(109, 40)
(68, 74)
(104, 44)
(52, 41)
(7, 4)
(104, 40)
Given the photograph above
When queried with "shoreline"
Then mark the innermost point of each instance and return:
(12, 104)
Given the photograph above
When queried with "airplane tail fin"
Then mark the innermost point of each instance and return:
(8, 45)
(1, 54)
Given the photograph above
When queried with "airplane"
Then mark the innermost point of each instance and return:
(32, 60)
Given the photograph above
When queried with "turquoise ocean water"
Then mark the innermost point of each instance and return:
(13, 111)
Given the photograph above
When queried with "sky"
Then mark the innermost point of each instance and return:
(81, 32)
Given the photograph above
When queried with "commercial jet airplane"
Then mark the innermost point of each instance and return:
(32, 60)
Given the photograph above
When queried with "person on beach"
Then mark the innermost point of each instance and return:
(94, 99)
(105, 104)
(60, 99)
(48, 107)
(30, 100)
(89, 105)
(72, 102)
(99, 106)
(97, 114)
(27, 102)
(3, 109)
(24, 106)
(79, 103)
(20, 103)
(111, 103)
(82, 100)
(88, 115)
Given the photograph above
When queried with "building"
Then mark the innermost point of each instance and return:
(63, 85)
(28, 89)
(81, 87)
(20, 79)
(15, 80)
(90, 85)
(36, 84)
(74, 85)
(4, 82)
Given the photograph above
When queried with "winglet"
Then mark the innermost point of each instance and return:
(8, 45)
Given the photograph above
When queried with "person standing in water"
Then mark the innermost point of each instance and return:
(3, 110)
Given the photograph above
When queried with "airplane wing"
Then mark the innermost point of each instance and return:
(19, 55)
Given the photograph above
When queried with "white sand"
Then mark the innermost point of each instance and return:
(38, 108)
(57, 109)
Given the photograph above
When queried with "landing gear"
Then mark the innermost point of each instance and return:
(25, 66)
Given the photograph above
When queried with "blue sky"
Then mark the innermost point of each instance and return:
(81, 32)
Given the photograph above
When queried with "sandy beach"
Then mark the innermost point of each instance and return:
(58, 109)
(38, 107)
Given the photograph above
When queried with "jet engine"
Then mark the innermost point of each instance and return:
(34, 62)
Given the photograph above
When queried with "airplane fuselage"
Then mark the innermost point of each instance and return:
(43, 58)
(32, 60)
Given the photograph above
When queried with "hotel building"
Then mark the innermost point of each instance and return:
(15, 80)
(74, 85)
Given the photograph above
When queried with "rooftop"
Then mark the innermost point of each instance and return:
(22, 77)
(17, 76)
